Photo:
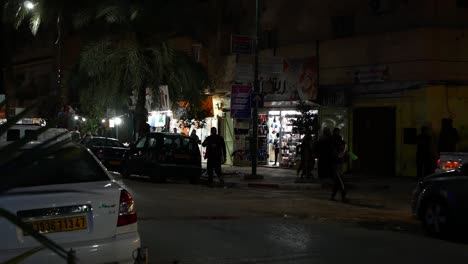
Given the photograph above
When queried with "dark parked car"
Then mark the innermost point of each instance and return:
(109, 151)
(162, 155)
(440, 202)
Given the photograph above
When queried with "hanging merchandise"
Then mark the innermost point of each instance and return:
(152, 120)
(160, 119)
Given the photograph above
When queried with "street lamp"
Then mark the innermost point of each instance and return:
(117, 122)
(103, 121)
(76, 117)
(29, 5)
(83, 119)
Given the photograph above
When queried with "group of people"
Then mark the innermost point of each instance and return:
(330, 150)
(215, 153)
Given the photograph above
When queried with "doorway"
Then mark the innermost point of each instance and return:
(374, 140)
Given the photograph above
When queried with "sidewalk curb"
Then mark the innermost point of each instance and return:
(309, 186)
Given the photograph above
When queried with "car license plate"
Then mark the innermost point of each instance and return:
(60, 224)
(114, 162)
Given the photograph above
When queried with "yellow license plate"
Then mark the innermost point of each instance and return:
(60, 224)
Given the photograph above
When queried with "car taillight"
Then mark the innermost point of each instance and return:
(451, 165)
(127, 212)
(438, 163)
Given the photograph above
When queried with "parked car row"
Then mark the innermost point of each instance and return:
(63, 190)
(156, 155)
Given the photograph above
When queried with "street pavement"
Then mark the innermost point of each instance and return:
(267, 240)
(284, 178)
(183, 223)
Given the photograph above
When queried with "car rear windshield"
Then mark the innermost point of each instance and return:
(70, 164)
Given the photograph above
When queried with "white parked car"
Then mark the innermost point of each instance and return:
(66, 193)
(17, 132)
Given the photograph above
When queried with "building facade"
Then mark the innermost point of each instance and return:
(384, 69)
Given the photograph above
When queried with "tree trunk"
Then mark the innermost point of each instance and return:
(141, 114)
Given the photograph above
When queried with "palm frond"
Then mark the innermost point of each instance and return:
(34, 23)
(83, 17)
(112, 14)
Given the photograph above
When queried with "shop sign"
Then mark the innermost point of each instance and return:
(244, 73)
(242, 44)
(297, 80)
(164, 101)
(371, 74)
(240, 101)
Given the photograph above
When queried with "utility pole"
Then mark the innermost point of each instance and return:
(255, 94)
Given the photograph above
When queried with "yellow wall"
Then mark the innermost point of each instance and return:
(411, 55)
(449, 101)
(422, 106)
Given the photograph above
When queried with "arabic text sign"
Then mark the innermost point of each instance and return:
(240, 101)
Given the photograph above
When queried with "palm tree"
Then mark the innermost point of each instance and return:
(128, 45)
(45, 13)
(136, 53)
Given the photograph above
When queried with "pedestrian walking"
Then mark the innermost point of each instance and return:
(215, 154)
(194, 136)
(307, 150)
(276, 145)
(324, 154)
(426, 160)
(338, 157)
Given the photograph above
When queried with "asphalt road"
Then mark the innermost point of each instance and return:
(182, 223)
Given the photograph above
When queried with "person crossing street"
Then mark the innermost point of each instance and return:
(215, 154)
(338, 157)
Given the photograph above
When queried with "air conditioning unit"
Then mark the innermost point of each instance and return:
(381, 6)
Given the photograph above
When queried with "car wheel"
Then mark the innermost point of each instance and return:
(436, 218)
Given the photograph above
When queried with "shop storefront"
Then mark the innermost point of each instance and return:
(277, 139)
(284, 138)
(284, 82)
